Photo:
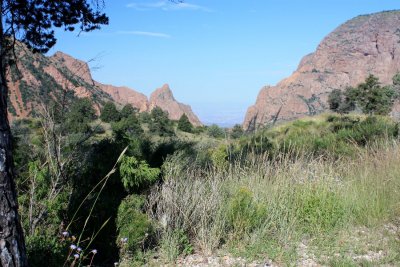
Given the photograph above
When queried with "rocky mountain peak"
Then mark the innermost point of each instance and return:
(164, 98)
(39, 77)
(162, 93)
(77, 67)
(365, 45)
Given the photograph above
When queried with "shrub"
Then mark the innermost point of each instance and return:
(237, 131)
(175, 244)
(160, 123)
(219, 157)
(136, 174)
(42, 250)
(109, 113)
(319, 209)
(81, 113)
(243, 213)
(134, 227)
(127, 127)
(335, 100)
(215, 131)
(184, 124)
(371, 97)
(128, 110)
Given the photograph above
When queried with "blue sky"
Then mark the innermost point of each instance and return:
(214, 54)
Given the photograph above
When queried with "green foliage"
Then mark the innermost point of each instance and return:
(109, 113)
(136, 174)
(133, 225)
(128, 127)
(333, 135)
(396, 79)
(42, 248)
(215, 131)
(160, 123)
(219, 157)
(257, 144)
(184, 124)
(144, 117)
(10, 107)
(175, 244)
(335, 100)
(244, 213)
(237, 131)
(371, 97)
(80, 115)
(128, 110)
(319, 209)
(24, 89)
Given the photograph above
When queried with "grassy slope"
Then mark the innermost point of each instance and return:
(338, 211)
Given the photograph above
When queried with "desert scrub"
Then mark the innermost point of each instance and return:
(319, 209)
(330, 135)
(244, 213)
(267, 206)
(135, 230)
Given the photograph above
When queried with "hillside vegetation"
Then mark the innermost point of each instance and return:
(138, 188)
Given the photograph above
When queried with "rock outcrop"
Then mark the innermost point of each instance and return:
(38, 78)
(368, 44)
(124, 95)
(163, 98)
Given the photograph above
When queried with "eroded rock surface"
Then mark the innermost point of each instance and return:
(368, 44)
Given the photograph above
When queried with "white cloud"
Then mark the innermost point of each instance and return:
(144, 33)
(167, 6)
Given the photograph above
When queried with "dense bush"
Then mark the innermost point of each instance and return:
(81, 113)
(136, 173)
(46, 250)
(160, 123)
(128, 110)
(244, 213)
(184, 124)
(370, 97)
(215, 131)
(109, 113)
(134, 227)
(237, 131)
(320, 209)
(127, 127)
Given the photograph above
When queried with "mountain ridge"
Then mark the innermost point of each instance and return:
(36, 78)
(366, 44)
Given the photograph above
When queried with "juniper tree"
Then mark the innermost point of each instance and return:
(31, 22)
(184, 124)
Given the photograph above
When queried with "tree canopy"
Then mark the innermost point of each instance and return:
(109, 113)
(370, 96)
(184, 124)
(31, 22)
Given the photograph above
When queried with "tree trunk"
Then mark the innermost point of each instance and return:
(12, 243)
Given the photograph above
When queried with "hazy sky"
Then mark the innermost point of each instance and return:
(214, 54)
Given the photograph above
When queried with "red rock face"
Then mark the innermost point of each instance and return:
(163, 98)
(42, 77)
(125, 95)
(365, 45)
(77, 67)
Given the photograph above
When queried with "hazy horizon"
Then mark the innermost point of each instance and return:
(215, 56)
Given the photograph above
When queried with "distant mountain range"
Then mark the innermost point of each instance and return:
(368, 44)
(36, 79)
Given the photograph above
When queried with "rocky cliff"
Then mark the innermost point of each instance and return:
(36, 79)
(163, 98)
(368, 44)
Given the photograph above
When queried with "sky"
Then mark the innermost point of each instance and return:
(215, 54)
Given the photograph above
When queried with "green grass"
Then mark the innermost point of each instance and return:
(265, 208)
(327, 134)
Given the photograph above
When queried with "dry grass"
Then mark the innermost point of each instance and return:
(266, 207)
